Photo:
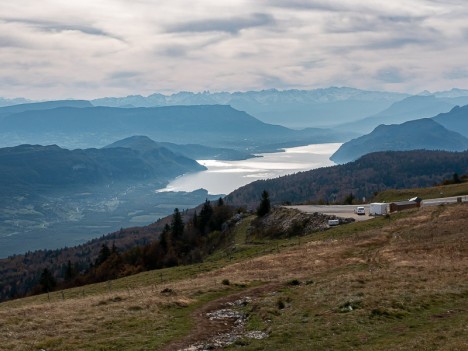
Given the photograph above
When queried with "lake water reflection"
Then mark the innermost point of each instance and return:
(222, 177)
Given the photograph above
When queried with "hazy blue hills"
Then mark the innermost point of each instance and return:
(291, 108)
(37, 106)
(193, 151)
(211, 125)
(52, 197)
(411, 108)
(33, 168)
(371, 173)
(15, 101)
(413, 135)
(456, 120)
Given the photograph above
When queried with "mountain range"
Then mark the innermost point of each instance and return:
(194, 151)
(413, 135)
(40, 106)
(312, 108)
(34, 167)
(348, 109)
(456, 120)
(410, 108)
(209, 125)
(291, 108)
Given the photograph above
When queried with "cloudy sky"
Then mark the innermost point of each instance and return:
(53, 49)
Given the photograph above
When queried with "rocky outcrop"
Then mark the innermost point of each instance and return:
(284, 222)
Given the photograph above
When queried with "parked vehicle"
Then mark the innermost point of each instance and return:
(378, 209)
(360, 210)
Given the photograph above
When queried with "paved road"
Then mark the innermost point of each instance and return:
(348, 210)
(444, 200)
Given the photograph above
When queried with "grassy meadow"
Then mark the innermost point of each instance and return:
(398, 282)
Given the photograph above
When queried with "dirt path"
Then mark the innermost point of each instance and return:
(220, 323)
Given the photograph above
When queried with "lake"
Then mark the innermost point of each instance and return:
(222, 177)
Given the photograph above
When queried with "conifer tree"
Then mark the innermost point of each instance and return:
(104, 254)
(47, 281)
(164, 239)
(70, 271)
(265, 205)
(177, 225)
(205, 216)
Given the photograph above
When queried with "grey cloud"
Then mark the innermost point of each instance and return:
(457, 73)
(397, 42)
(49, 26)
(184, 49)
(270, 80)
(124, 75)
(7, 82)
(383, 44)
(390, 75)
(447, 2)
(174, 51)
(307, 5)
(351, 23)
(231, 25)
(402, 19)
(8, 41)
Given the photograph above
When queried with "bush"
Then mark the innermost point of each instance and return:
(280, 304)
(294, 282)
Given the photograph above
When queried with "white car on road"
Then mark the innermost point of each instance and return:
(360, 210)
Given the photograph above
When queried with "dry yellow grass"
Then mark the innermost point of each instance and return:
(397, 268)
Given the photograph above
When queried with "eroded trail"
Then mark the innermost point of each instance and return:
(222, 322)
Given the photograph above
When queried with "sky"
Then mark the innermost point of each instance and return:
(55, 49)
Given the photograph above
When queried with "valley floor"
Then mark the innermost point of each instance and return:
(394, 283)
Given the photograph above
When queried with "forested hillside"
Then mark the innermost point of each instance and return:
(30, 168)
(361, 178)
(183, 238)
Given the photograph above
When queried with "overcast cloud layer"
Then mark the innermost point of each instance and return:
(53, 49)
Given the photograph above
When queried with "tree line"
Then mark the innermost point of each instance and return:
(184, 239)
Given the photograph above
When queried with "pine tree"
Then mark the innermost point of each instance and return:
(177, 225)
(195, 220)
(70, 271)
(164, 239)
(47, 281)
(104, 254)
(265, 205)
(205, 216)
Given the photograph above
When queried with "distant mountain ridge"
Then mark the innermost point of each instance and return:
(446, 131)
(318, 107)
(194, 151)
(14, 101)
(292, 108)
(413, 135)
(38, 106)
(456, 120)
(411, 108)
(30, 168)
(210, 125)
